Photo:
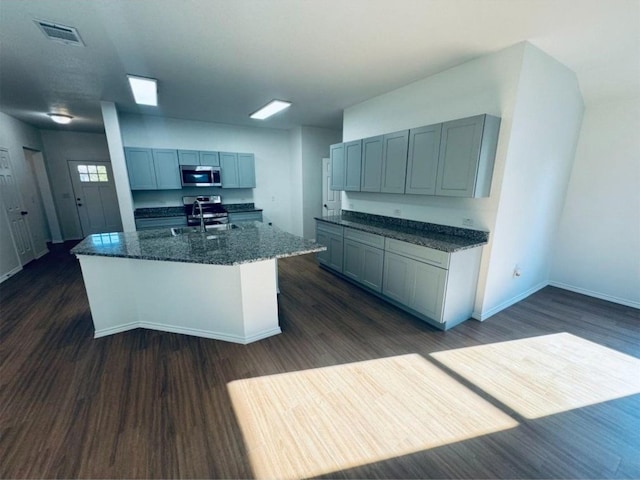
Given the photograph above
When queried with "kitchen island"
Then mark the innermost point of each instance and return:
(220, 284)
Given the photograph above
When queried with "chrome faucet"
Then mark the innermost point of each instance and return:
(193, 212)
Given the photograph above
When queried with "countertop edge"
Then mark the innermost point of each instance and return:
(420, 238)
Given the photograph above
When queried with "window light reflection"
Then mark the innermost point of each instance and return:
(313, 422)
(548, 374)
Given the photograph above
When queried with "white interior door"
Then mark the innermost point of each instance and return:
(331, 199)
(35, 206)
(95, 196)
(15, 211)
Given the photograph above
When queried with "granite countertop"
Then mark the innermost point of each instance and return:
(178, 211)
(439, 237)
(249, 242)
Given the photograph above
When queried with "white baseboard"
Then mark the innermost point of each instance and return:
(482, 316)
(591, 293)
(10, 274)
(187, 331)
(41, 254)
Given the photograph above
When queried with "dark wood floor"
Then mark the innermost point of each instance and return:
(147, 404)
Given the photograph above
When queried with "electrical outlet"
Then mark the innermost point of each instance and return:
(517, 271)
(467, 222)
(273, 198)
(397, 212)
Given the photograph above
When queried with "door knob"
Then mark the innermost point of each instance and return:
(325, 206)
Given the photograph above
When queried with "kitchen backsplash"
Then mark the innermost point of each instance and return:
(169, 198)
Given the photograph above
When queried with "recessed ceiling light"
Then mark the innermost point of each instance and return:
(145, 90)
(60, 118)
(271, 108)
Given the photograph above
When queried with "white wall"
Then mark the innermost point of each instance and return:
(544, 132)
(598, 243)
(14, 136)
(536, 143)
(60, 147)
(271, 147)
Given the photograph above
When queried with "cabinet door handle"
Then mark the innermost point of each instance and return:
(79, 204)
(23, 212)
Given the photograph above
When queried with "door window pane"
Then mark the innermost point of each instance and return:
(93, 173)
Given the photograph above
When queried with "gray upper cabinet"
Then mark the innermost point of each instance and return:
(142, 173)
(237, 170)
(467, 153)
(422, 162)
(188, 157)
(371, 178)
(246, 170)
(152, 169)
(229, 170)
(196, 157)
(209, 158)
(394, 161)
(337, 166)
(353, 162)
(167, 173)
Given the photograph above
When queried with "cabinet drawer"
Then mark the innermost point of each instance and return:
(329, 228)
(235, 217)
(370, 239)
(418, 252)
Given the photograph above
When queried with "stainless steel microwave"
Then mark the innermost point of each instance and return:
(200, 176)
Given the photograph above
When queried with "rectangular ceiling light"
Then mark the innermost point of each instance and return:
(271, 108)
(145, 90)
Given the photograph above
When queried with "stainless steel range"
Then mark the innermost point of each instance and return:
(205, 211)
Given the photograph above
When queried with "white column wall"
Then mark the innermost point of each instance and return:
(544, 132)
(118, 165)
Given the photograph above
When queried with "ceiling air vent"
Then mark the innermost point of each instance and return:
(60, 33)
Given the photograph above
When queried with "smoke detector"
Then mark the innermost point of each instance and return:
(60, 33)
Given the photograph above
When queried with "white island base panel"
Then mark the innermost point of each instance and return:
(235, 303)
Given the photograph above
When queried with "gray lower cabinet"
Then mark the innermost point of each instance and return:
(331, 236)
(237, 170)
(364, 258)
(467, 153)
(160, 222)
(239, 217)
(436, 286)
(417, 285)
(394, 161)
(152, 169)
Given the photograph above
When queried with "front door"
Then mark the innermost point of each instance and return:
(15, 212)
(331, 199)
(96, 198)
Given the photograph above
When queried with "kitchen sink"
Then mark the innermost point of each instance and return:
(175, 231)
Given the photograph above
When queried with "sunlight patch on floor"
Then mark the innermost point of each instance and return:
(319, 421)
(544, 375)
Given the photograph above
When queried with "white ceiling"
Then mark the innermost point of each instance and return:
(220, 60)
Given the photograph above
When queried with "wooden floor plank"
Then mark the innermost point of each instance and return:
(146, 404)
